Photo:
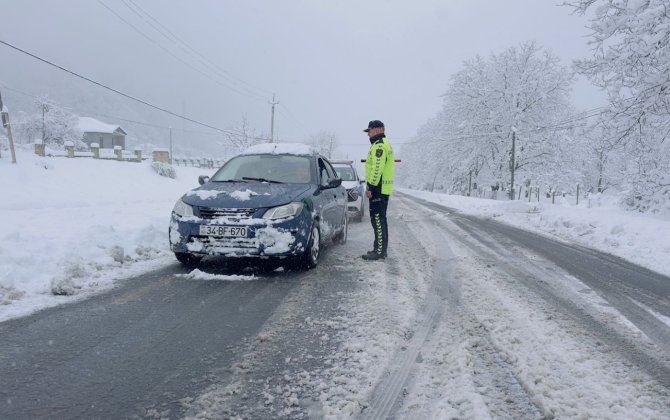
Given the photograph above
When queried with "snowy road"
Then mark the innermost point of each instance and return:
(467, 319)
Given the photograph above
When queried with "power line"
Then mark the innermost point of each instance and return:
(109, 88)
(292, 116)
(171, 36)
(147, 37)
(218, 134)
(304, 130)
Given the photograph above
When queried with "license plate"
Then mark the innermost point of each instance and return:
(224, 231)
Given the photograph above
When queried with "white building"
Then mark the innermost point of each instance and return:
(106, 135)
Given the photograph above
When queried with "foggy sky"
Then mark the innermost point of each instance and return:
(334, 65)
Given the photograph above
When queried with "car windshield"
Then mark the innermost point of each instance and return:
(266, 168)
(346, 173)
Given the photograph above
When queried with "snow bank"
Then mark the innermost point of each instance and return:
(73, 226)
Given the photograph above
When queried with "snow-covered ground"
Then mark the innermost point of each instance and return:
(74, 226)
(70, 227)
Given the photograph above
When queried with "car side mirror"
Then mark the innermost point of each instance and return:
(362, 182)
(334, 183)
(203, 179)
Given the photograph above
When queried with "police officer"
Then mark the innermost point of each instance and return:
(379, 169)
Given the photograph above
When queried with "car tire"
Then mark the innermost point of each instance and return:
(313, 250)
(341, 238)
(187, 259)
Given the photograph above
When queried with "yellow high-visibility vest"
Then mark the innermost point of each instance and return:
(380, 166)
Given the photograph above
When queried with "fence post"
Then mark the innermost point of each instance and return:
(520, 188)
(537, 190)
(69, 148)
(553, 196)
(577, 194)
(95, 148)
(118, 151)
(39, 147)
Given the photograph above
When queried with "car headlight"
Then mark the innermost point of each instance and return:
(182, 209)
(284, 211)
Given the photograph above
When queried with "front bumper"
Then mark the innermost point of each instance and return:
(285, 237)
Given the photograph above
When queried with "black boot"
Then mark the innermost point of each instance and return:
(372, 256)
(384, 254)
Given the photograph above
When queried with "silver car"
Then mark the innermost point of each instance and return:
(355, 187)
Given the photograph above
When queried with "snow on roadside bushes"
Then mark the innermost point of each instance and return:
(70, 226)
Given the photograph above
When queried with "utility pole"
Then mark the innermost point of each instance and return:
(511, 190)
(272, 121)
(45, 108)
(470, 184)
(4, 114)
(170, 145)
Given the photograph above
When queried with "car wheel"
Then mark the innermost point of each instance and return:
(187, 259)
(341, 238)
(311, 257)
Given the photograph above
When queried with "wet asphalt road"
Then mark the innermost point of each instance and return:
(144, 345)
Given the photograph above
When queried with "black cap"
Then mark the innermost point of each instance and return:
(374, 124)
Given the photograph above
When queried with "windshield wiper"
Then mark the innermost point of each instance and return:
(230, 180)
(262, 180)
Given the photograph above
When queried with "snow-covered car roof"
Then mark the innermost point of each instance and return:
(281, 149)
(342, 162)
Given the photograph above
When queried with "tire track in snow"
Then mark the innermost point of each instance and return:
(388, 392)
(491, 375)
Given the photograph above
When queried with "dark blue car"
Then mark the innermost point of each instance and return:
(273, 200)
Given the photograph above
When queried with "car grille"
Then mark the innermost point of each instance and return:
(352, 194)
(234, 215)
(232, 243)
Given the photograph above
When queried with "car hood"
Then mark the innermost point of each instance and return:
(244, 194)
(350, 184)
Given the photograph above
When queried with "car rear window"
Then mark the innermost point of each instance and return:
(346, 173)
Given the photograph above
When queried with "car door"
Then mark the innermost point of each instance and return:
(327, 198)
(339, 198)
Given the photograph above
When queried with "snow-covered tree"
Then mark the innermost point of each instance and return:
(242, 136)
(512, 94)
(51, 123)
(324, 141)
(631, 62)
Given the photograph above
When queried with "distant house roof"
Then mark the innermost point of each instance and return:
(91, 125)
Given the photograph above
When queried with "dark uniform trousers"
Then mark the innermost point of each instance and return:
(378, 206)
